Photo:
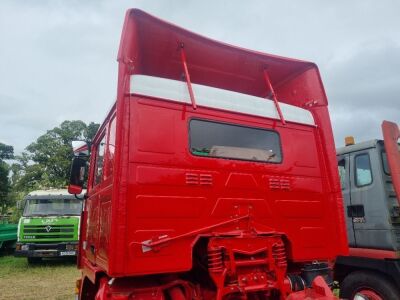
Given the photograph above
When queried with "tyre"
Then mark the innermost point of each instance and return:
(371, 285)
(34, 260)
(88, 290)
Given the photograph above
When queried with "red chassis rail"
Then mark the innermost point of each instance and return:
(181, 290)
(178, 290)
(246, 267)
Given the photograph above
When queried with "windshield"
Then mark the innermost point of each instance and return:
(52, 207)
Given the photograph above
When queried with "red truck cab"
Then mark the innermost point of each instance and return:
(212, 177)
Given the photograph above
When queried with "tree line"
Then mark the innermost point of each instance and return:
(44, 164)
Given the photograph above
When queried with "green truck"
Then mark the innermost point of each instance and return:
(8, 234)
(49, 226)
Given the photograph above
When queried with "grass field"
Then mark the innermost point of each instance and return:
(51, 279)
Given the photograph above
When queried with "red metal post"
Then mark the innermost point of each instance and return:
(266, 77)
(189, 84)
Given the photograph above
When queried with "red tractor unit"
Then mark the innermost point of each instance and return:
(213, 177)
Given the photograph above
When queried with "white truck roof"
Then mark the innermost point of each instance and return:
(52, 193)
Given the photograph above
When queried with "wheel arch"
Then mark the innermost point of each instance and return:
(389, 269)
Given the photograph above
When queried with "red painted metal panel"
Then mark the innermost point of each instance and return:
(300, 189)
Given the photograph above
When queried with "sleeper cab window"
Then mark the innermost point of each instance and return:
(99, 161)
(214, 139)
(363, 170)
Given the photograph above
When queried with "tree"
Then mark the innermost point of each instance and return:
(6, 152)
(46, 162)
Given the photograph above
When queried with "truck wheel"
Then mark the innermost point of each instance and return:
(34, 260)
(371, 285)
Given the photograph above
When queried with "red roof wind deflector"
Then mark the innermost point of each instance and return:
(149, 45)
(391, 134)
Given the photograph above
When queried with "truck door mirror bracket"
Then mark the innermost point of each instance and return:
(80, 148)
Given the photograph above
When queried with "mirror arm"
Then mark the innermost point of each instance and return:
(76, 196)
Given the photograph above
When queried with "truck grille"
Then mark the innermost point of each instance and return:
(48, 231)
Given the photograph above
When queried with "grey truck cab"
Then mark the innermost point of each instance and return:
(369, 175)
(371, 208)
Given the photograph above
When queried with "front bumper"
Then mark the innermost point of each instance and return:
(46, 250)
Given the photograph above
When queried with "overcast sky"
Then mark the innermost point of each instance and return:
(58, 57)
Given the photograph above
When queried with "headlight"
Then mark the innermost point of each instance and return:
(24, 247)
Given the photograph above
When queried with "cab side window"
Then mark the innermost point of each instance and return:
(363, 171)
(111, 148)
(342, 172)
(98, 176)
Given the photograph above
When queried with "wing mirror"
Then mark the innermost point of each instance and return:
(77, 175)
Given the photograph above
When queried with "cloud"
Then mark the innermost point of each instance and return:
(364, 89)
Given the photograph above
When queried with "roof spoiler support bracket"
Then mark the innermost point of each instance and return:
(278, 108)
(187, 76)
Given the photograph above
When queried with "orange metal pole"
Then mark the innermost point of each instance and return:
(266, 77)
(189, 84)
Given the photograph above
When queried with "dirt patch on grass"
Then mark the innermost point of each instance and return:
(50, 279)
